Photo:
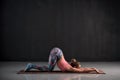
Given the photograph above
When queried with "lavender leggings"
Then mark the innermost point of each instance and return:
(55, 55)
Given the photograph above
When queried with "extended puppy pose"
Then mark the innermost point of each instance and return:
(56, 57)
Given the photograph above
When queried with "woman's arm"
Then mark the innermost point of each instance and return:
(82, 69)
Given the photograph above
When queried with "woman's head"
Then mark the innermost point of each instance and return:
(75, 63)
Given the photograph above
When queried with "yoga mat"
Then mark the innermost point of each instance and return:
(56, 71)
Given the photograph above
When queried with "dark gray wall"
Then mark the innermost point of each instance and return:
(88, 30)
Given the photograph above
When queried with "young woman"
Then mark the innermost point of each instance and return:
(56, 57)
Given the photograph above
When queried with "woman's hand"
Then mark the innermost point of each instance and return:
(97, 71)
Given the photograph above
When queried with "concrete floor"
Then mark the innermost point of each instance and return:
(8, 71)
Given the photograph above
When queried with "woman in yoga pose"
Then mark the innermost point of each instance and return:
(56, 57)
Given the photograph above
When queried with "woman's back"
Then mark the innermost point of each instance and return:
(63, 64)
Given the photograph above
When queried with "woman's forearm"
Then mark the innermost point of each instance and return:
(82, 69)
(78, 70)
(88, 69)
(75, 70)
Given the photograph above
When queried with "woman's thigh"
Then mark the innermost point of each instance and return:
(54, 56)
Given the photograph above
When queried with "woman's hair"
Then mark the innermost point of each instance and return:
(75, 63)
